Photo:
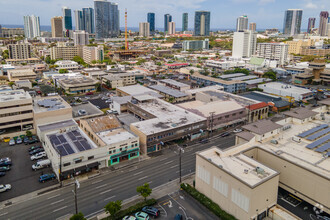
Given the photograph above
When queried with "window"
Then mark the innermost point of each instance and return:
(220, 186)
(78, 161)
(66, 164)
(203, 174)
(240, 200)
(91, 157)
(120, 149)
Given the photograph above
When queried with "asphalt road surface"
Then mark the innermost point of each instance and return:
(121, 184)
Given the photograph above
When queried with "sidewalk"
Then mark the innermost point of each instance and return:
(157, 193)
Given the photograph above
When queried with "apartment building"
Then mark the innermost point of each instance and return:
(57, 26)
(315, 51)
(196, 44)
(16, 115)
(119, 80)
(144, 29)
(93, 54)
(78, 85)
(65, 51)
(244, 44)
(274, 52)
(21, 51)
(21, 74)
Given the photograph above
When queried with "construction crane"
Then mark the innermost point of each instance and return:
(126, 40)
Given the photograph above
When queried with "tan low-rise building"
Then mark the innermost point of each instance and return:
(78, 85)
(16, 115)
(21, 74)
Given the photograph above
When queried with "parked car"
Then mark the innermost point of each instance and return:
(27, 127)
(5, 159)
(178, 217)
(19, 140)
(237, 130)
(36, 151)
(151, 211)
(39, 155)
(32, 141)
(2, 173)
(108, 101)
(26, 139)
(46, 177)
(5, 187)
(204, 141)
(142, 216)
(225, 134)
(12, 142)
(34, 147)
(41, 164)
(6, 139)
(5, 163)
(4, 168)
(129, 218)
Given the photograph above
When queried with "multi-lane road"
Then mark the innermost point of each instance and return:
(121, 184)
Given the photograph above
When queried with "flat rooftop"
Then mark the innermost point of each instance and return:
(168, 117)
(50, 103)
(226, 96)
(216, 80)
(166, 90)
(90, 109)
(14, 95)
(194, 91)
(174, 83)
(285, 87)
(261, 127)
(21, 72)
(70, 142)
(244, 78)
(135, 89)
(257, 81)
(103, 123)
(228, 76)
(78, 81)
(240, 167)
(57, 125)
(115, 136)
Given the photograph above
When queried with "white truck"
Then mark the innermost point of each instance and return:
(41, 164)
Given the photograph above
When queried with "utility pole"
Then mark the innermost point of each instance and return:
(76, 186)
(61, 184)
(181, 150)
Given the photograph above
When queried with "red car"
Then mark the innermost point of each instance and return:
(89, 93)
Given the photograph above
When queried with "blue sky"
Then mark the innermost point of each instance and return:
(266, 13)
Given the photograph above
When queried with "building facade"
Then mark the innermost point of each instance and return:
(167, 19)
(151, 21)
(67, 21)
(65, 51)
(20, 51)
(144, 29)
(93, 54)
(171, 27)
(80, 38)
(242, 23)
(57, 26)
(79, 20)
(106, 19)
(202, 23)
(31, 26)
(311, 25)
(273, 51)
(196, 45)
(292, 22)
(323, 27)
(244, 44)
(185, 22)
(88, 20)
(253, 26)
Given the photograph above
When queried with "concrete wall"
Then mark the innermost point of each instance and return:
(46, 117)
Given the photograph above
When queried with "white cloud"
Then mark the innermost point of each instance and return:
(311, 5)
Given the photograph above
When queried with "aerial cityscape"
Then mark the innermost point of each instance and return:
(184, 110)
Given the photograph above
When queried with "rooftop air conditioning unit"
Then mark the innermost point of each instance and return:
(246, 171)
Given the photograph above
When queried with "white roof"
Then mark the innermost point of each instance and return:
(14, 95)
(135, 90)
(115, 136)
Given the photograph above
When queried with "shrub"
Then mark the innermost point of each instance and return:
(208, 203)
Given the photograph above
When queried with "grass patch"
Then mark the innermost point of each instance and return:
(135, 208)
(208, 203)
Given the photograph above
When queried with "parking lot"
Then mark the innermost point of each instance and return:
(21, 176)
(183, 204)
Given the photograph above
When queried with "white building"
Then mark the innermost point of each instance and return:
(144, 29)
(31, 26)
(80, 38)
(93, 53)
(196, 44)
(244, 44)
(171, 27)
(273, 51)
(66, 64)
(242, 23)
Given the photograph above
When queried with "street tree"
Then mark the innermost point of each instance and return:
(112, 208)
(78, 216)
(144, 190)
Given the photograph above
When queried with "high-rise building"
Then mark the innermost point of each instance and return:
(57, 26)
(242, 23)
(80, 38)
(273, 51)
(202, 23)
(329, 27)
(253, 26)
(93, 53)
(311, 25)
(88, 20)
(196, 44)
(144, 29)
(323, 28)
(0, 30)
(185, 22)
(151, 21)
(106, 19)
(79, 20)
(21, 51)
(244, 44)
(171, 27)
(167, 19)
(67, 21)
(31, 26)
(292, 22)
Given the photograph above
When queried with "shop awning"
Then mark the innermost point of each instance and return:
(92, 165)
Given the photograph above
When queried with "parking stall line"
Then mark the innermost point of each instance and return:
(5, 213)
(174, 166)
(61, 200)
(163, 159)
(169, 162)
(56, 210)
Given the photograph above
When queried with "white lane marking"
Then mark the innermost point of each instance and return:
(92, 214)
(179, 171)
(53, 196)
(163, 209)
(61, 200)
(98, 181)
(2, 214)
(143, 177)
(168, 162)
(163, 159)
(176, 201)
(105, 191)
(101, 186)
(137, 173)
(56, 210)
(174, 166)
(109, 198)
(185, 214)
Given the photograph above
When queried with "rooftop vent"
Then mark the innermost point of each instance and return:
(246, 171)
(259, 170)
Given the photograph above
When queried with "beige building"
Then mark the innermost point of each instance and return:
(93, 54)
(16, 115)
(21, 74)
(78, 85)
(112, 81)
(21, 51)
(314, 51)
(171, 27)
(295, 46)
(253, 26)
(144, 29)
(291, 155)
(65, 51)
(57, 26)
(50, 109)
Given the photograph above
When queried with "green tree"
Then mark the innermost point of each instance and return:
(79, 60)
(78, 216)
(11, 84)
(5, 54)
(112, 208)
(270, 74)
(28, 133)
(144, 190)
(191, 72)
(63, 71)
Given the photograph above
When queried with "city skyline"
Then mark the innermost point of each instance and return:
(267, 14)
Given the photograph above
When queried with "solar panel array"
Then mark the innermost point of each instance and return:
(323, 148)
(318, 142)
(51, 104)
(313, 130)
(63, 146)
(318, 134)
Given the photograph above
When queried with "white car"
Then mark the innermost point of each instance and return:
(4, 188)
(38, 155)
(237, 130)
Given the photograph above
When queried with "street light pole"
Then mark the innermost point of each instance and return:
(75, 197)
(181, 150)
